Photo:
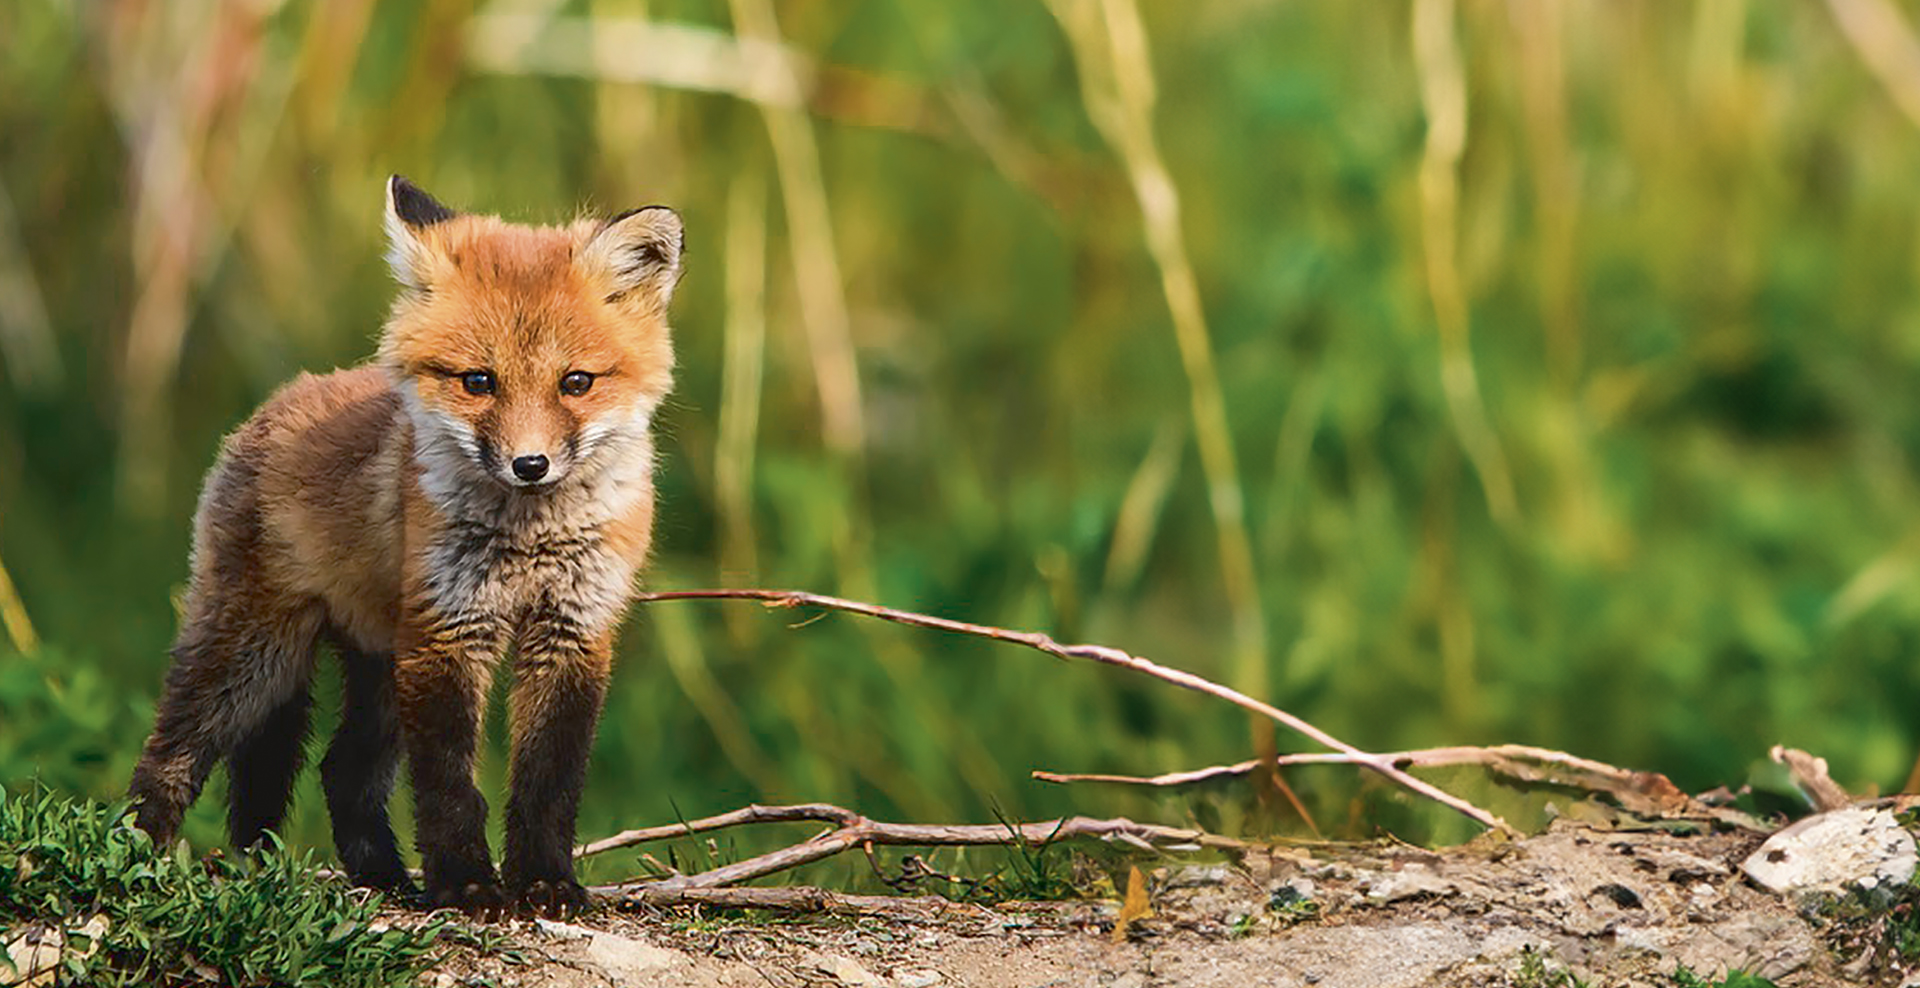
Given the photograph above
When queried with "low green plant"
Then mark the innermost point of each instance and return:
(66, 723)
(266, 919)
(1534, 973)
(1292, 907)
(1034, 870)
(1683, 977)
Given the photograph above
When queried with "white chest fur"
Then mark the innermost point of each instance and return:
(501, 553)
(476, 570)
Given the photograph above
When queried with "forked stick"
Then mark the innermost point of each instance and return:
(1383, 764)
(853, 830)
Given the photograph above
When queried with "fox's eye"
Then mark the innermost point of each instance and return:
(576, 383)
(477, 382)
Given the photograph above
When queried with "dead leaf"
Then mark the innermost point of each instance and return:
(1134, 907)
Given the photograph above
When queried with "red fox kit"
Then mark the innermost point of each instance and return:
(484, 484)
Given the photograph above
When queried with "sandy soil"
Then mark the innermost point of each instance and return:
(1613, 908)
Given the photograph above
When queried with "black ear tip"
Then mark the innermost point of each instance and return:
(414, 206)
(645, 209)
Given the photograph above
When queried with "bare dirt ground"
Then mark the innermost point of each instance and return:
(1607, 907)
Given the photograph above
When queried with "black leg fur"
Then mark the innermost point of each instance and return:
(438, 697)
(359, 770)
(556, 705)
(261, 771)
(223, 685)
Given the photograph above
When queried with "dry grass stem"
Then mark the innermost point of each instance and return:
(26, 333)
(197, 104)
(1138, 519)
(745, 331)
(816, 260)
(1382, 764)
(1540, 30)
(13, 616)
(1443, 92)
(1117, 84)
(1884, 41)
(680, 56)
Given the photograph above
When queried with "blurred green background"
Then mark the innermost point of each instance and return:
(1520, 371)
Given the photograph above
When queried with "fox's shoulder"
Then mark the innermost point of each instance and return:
(312, 406)
(316, 425)
(320, 395)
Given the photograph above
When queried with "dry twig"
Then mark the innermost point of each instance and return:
(1649, 794)
(853, 830)
(1498, 757)
(1810, 774)
(1385, 765)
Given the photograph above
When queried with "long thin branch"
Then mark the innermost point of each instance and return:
(1647, 793)
(1494, 756)
(823, 812)
(855, 830)
(1381, 764)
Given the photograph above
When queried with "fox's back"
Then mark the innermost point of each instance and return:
(311, 484)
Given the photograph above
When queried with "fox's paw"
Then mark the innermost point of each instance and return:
(400, 892)
(394, 882)
(483, 901)
(560, 898)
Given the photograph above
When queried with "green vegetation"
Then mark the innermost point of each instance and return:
(1534, 973)
(1672, 516)
(1875, 930)
(171, 919)
(1683, 978)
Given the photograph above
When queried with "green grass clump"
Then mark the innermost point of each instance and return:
(270, 920)
(1534, 973)
(1685, 978)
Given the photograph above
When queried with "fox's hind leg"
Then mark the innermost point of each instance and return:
(235, 665)
(359, 769)
(262, 771)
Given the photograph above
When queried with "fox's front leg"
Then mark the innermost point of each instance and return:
(442, 667)
(560, 682)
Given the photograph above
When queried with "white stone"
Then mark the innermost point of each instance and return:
(36, 948)
(621, 959)
(848, 971)
(1834, 851)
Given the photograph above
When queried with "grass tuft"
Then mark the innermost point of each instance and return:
(169, 919)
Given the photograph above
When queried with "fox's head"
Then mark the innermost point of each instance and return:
(529, 353)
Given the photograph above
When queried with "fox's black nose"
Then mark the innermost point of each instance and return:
(529, 468)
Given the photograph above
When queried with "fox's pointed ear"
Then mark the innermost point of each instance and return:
(637, 255)
(410, 211)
